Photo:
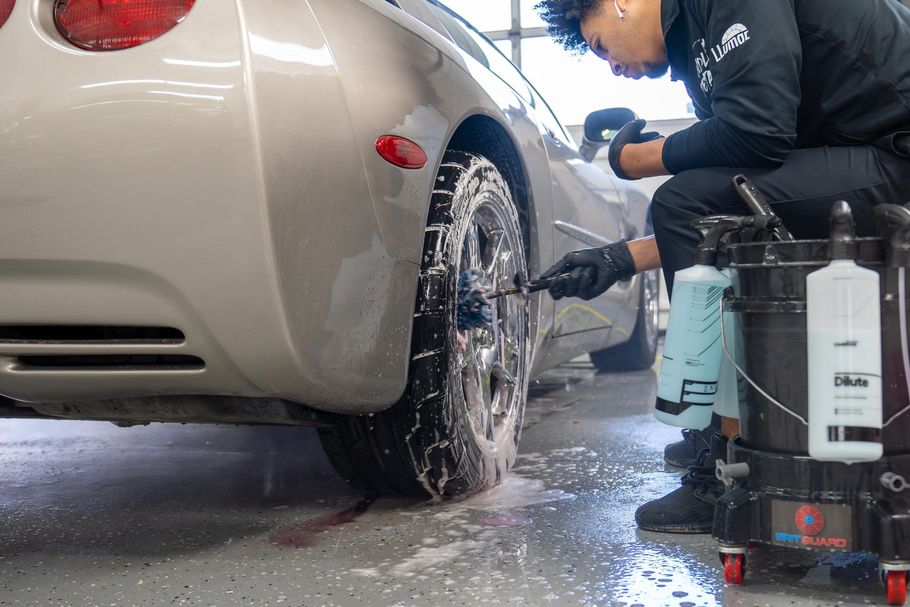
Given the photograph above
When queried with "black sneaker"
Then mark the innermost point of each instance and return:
(689, 509)
(684, 453)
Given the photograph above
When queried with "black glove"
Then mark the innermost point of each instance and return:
(591, 271)
(630, 133)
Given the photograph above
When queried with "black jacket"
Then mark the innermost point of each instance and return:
(767, 76)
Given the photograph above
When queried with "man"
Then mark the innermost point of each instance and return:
(810, 99)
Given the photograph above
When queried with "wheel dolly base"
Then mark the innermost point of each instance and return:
(794, 501)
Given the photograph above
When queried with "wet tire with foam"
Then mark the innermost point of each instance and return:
(449, 434)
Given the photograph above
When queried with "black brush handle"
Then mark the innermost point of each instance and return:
(758, 204)
(531, 287)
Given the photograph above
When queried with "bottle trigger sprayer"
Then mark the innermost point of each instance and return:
(843, 316)
(691, 363)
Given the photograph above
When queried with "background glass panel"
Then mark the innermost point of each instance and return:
(505, 46)
(485, 15)
(575, 86)
(529, 17)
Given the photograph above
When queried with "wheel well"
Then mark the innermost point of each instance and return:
(486, 137)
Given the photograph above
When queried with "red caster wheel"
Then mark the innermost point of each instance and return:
(897, 587)
(733, 569)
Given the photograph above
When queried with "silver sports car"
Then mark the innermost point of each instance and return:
(256, 211)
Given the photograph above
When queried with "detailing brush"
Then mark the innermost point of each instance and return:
(474, 297)
(473, 308)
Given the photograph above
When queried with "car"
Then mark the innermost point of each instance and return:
(256, 212)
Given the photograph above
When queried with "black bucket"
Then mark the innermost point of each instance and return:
(770, 304)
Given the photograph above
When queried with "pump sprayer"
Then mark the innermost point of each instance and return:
(692, 350)
(894, 225)
(843, 315)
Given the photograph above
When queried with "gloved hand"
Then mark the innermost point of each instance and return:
(630, 133)
(591, 271)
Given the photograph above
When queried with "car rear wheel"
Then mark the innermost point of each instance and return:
(456, 429)
(640, 351)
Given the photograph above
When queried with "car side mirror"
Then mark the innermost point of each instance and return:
(599, 129)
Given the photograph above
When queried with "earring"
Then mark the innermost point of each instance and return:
(619, 11)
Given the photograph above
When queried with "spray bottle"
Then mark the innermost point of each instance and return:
(692, 349)
(843, 316)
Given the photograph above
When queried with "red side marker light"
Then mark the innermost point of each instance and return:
(110, 25)
(6, 7)
(401, 152)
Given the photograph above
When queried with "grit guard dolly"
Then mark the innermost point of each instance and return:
(776, 494)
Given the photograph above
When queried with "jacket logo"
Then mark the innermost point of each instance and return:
(705, 77)
(735, 36)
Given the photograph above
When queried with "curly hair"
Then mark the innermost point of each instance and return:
(563, 19)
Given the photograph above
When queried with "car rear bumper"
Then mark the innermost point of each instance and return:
(182, 186)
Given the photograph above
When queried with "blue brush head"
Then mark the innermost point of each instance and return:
(474, 310)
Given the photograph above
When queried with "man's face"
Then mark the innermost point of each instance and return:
(633, 45)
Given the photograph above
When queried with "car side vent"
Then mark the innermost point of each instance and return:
(111, 362)
(90, 334)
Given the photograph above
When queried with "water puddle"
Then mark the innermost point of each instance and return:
(514, 493)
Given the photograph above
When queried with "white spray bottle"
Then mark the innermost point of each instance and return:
(692, 348)
(843, 310)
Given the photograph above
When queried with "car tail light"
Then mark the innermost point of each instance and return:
(109, 25)
(401, 152)
(6, 7)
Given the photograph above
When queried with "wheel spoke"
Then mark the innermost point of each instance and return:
(505, 385)
(491, 364)
(472, 248)
(491, 260)
(472, 382)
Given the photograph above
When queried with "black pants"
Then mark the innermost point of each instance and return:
(801, 191)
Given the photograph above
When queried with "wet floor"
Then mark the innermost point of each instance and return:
(92, 514)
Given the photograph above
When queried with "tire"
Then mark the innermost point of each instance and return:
(640, 351)
(457, 427)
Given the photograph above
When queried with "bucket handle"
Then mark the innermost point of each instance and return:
(902, 298)
(905, 353)
(771, 399)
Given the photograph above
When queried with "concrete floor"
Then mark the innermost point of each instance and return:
(91, 514)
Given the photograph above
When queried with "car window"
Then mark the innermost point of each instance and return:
(549, 118)
(484, 51)
(480, 48)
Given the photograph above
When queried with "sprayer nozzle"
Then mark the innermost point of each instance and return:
(710, 231)
(843, 232)
(894, 226)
